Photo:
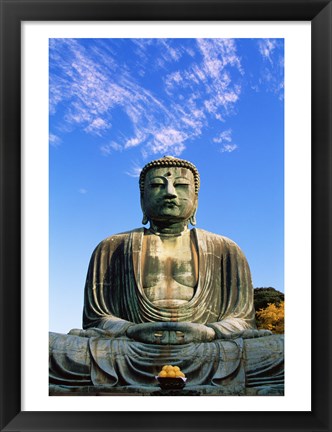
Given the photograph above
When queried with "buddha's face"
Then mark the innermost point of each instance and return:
(169, 194)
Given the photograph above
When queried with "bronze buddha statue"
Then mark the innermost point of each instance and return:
(168, 294)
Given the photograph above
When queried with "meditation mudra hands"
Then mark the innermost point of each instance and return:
(170, 333)
(176, 333)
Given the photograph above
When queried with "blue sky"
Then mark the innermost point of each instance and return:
(116, 104)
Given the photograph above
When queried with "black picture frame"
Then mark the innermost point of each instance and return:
(13, 12)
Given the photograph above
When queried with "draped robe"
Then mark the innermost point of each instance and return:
(102, 354)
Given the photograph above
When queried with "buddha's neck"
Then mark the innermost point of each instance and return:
(168, 229)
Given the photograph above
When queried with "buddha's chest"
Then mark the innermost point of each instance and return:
(169, 269)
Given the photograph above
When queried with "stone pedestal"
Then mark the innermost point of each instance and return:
(55, 390)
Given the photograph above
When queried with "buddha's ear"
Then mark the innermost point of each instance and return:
(145, 219)
(192, 219)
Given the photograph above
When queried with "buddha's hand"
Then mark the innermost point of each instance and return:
(170, 333)
(244, 334)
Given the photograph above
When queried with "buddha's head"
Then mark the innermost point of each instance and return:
(169, 191)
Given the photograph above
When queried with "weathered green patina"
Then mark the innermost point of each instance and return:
(168, 295)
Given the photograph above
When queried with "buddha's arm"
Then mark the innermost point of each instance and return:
(231, 330)
(112, 325)
(237, 315)
(229, 326)
(99, 311)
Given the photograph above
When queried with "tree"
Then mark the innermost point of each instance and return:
(271, 317)
(264, 296)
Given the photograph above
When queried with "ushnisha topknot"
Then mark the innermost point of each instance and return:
(169, 161)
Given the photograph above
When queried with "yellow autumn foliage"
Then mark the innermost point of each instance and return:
(272, 318)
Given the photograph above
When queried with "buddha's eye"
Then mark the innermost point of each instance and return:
(156, 185)
(182, 185)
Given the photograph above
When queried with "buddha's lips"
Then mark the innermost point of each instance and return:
(170, 202)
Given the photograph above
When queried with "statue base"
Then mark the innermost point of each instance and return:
(57, 390)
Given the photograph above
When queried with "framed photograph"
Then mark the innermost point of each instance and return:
(52, 54)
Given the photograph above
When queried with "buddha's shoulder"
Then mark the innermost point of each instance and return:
(115, 240)
(216, 238)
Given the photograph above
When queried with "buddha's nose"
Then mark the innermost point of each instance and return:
(170, 190)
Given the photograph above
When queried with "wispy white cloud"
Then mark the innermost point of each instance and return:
(54, 140)
(169, 53)
(272, 73)
(229, 148)
(112, 147)
(169, 141)
(135, 141)
(135, 171)
(97, 126)
(163, 101)
(225, 136)
(266, 48)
